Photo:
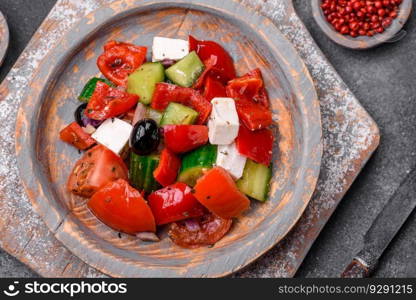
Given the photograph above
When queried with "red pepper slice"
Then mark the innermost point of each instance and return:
(214, 88)
(107, 102)
(168, 168)
(119, 60)
(209, 65)
(74, 134)
(123, 208)
(174, 203)
(223, 68)
(165, 93)
(256, 145)
(253, 115)
(184, 138)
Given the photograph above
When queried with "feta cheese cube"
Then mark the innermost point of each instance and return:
(223, 124)
(114, 134)
(166, 48)
(231, 160)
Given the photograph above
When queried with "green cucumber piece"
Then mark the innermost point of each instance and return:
(89, 88)
(142, 81)
(186, 71)
(255, 181)
(196, 162)
(141, 172)
(177, 114)
(154, 115)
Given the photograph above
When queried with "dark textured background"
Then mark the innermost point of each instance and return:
(384, 79)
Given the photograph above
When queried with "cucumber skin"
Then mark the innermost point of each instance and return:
(89, 88)
(141, 172)
(190, 68)
(143, 80)
(174, 110)
(195, 162)
(255, 182)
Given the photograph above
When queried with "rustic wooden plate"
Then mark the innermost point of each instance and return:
(4, 37)
(253, 41)
(362, 42)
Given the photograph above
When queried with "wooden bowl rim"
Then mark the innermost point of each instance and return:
(59, 220)
(361, 42)
(4, 40)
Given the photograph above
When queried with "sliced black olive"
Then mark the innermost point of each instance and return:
(79, 112)
(145, 137)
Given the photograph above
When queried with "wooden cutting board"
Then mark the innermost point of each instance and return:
(350, 137)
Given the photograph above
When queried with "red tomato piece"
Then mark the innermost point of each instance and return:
(184, 138)
(253, 115)
(97, 167)
(217, 191)
(174, 203)
(107, 102)
(121, 207)
(223, 68)
(199, 232)
(166, 93)
(119, 60)
(256, 145)
(214, 88)
(167, 170)
(74, 134)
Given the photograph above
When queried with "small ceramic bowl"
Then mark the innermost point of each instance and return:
(4, 37)
(392, 33)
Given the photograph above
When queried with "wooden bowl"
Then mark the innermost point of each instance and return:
(362, 42)
(4, 37)
(253, 41)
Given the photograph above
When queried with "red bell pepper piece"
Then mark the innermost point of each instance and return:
(107, 102)
(123, 208)
(174, 203)
(74, 134)
(214, 88)
(168, 168)
(253, 115)
(184, 138)
(256, 145)
(209, 65)
(119, 60)
(165, 93)
(223, 67)
(217, 191)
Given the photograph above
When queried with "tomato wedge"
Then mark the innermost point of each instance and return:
(165, 93)
(223, 68)
(168, 168)
(107, 102)
(184, 138)
(74, 134)
(122, 208)
(97, 167)
(119, 60)
(257, 145)
(174, 203)
(253, 115)
(199, 232)
(217, 191)
(214, 88)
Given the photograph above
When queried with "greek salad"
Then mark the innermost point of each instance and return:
(179, 140)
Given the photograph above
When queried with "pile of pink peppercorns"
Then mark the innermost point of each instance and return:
(359, 17)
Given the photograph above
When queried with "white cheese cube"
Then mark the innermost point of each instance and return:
(166, 48)
(114, 134)
(223, 123)
(231, 160)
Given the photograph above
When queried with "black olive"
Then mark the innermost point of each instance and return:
(145, 137)
(79, 112)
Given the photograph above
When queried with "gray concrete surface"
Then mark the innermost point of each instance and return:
(384, 79)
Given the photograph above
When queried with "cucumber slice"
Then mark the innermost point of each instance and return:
(154, 115)
(141, 172)
(194, 163)
(89, 88)
(255, 181)
(178, 114)
(142, 81)
(186, 71)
